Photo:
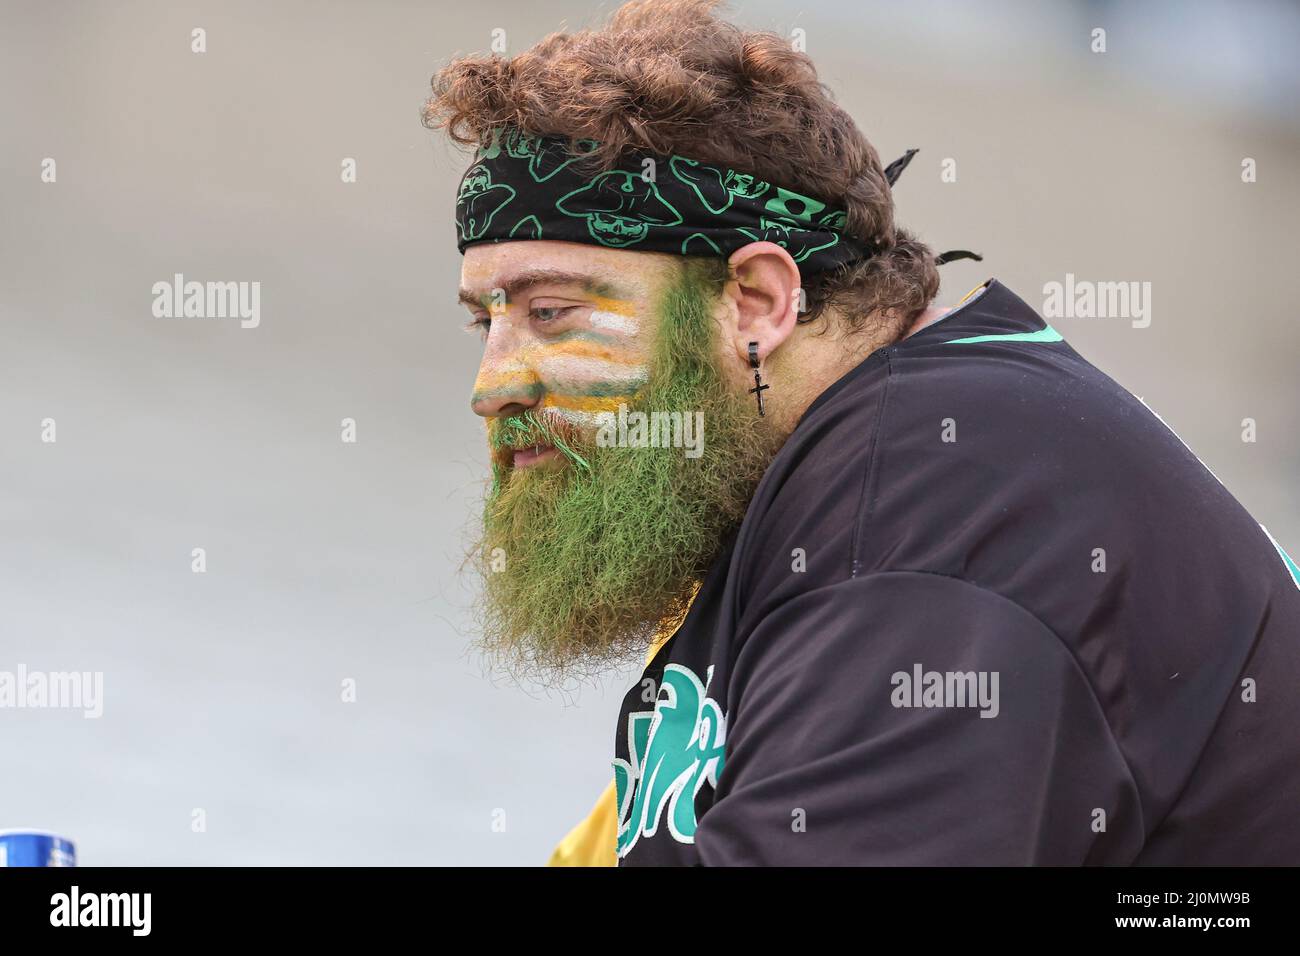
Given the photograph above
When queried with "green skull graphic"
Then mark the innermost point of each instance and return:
(620, 207)
(478, 201)
(800, 243)
(715, 190)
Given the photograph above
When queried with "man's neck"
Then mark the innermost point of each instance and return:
(819, 357)
(930, 316)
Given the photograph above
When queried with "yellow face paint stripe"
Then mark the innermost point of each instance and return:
(617, 306)
(505, 381)
(585, 348)
(626, 359)
(584, 403)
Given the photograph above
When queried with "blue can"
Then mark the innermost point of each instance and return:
(35, 848)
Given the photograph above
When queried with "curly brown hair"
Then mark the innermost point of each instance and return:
(669, 76)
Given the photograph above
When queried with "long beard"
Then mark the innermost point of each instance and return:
(586, 557)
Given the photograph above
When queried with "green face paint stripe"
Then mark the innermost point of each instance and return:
(570, 385)
(586, 335)
(577, 391)
(1045, 334)
(598, 389)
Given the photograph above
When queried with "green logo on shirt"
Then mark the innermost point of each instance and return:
(673, 751)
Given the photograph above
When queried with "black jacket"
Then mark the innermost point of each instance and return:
(985, 608)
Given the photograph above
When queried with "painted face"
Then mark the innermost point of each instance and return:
(567, 329)
(584, 558)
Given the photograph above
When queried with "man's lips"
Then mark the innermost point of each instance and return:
(532, 455)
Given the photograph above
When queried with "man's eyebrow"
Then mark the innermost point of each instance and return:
(523, 281)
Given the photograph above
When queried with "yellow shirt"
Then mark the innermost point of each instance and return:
(593, 842)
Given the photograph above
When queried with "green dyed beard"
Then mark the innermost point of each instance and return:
(584, 558)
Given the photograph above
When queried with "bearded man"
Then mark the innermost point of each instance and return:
(918, 585)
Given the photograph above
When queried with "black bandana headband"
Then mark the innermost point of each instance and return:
(528, 187)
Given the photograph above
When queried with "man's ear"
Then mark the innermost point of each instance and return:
(764, 293)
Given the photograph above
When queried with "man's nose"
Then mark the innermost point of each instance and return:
(507, 384)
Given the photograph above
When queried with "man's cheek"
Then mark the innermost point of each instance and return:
(616, 317)
(621, 322)
(585, 378)
(579, 413)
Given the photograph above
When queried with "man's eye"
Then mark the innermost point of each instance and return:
(480, 323)
(551, 312)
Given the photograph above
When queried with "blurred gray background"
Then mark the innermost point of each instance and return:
(328, 561)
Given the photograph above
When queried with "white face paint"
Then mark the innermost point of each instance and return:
(614, 322)
(581, 419)
(572, 373)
